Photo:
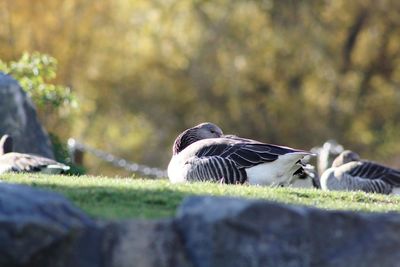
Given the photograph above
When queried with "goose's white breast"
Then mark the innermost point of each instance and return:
(177, 169)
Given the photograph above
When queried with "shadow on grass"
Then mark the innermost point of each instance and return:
(136, 198)
(120, 203)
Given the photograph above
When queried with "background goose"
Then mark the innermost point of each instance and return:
(203, 153)
(329, 151)
(309, 178)
(19, 162)
(348, 172)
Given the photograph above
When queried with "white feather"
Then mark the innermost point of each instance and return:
(5, 168)
(54, 169)
(327, 178)
(276, 172)
(177, 169)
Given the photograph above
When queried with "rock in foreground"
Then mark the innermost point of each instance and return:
(236, 232)
(40, 228)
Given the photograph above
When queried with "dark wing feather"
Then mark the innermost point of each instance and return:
(244, 152)
(372, 170)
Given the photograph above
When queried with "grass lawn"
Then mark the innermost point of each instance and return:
(113, 198)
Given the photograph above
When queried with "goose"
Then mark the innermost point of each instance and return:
(327, 154)
(309, 178)
(204, 153)
(350, 173)
(18, 162)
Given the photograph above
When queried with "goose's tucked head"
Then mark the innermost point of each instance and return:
(345, 157)
(202, 131)
(6, 144)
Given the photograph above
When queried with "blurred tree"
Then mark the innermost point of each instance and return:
(33, 73)
(289, 72)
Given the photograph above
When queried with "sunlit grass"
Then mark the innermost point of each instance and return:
(111, 198)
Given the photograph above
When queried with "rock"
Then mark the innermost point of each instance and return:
(40, 228)
(236, 232)
(18, 118)
(340, 238)
(148, 244)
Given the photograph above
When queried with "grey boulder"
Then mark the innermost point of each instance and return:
(18, 118)
(236, 232)
(40, 228)
(143, 243)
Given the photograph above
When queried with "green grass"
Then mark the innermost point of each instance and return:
(113, 198)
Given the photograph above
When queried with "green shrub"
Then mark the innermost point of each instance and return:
(34, 73)
(61, 154)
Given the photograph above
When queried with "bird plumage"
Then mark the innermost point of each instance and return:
(233, 159)
(327, 153)
(22, 162)
(350, 173)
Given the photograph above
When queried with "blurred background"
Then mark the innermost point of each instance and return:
(132, 74)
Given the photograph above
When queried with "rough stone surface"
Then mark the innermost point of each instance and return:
(18, 118)
(354, 239)
(148, 243)
(236, 232)
(39, 228)
(233, 232)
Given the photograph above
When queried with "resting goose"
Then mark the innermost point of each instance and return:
(327, 154)
(204, 153)
(350, 173)
(19, 162)
(309, 179)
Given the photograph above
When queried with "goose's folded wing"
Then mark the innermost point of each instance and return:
(26, 162)
(216, 168)
(245, 154)
(372, 170)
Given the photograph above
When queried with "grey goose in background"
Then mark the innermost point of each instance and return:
(204, 153)
(350, 173)
(19, 162)
(327, 154)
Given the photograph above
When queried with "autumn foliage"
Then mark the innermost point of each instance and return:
(287, 72)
